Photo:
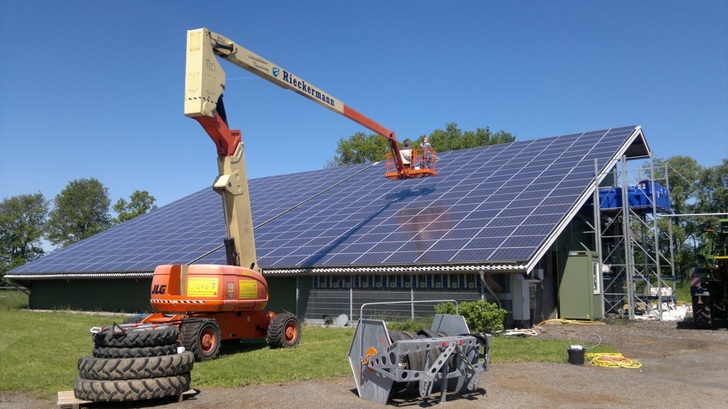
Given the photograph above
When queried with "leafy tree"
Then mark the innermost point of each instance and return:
(693, 190)
(360, 148)
(713, 195)
(21, 222)
(140, 202)
(684, 176)
(453, 138)
(80, 210)
(363, 148)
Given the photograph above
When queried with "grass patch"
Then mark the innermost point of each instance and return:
(523, 349)
(40, 352)
(682, 291)
(322, 353)
(13, 300)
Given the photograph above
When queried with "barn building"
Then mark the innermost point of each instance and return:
(498, 223)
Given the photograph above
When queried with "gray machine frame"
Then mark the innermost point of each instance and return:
(453, 358)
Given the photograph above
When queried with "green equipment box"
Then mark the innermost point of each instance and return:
(580, 287)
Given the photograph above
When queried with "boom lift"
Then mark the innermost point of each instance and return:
(214, 303)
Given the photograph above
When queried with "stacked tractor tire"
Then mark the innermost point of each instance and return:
(133, 362)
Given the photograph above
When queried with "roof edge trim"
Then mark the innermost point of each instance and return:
(504, 268)
(65, 276)
(629, 142)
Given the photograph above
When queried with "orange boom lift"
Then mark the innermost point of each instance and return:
(213, 303)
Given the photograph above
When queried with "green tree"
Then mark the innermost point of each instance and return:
(140, 202)
(694, 190)
(713, 195)
(360, 148)
(363, 148)
(21, 228)
(453, 138)
(80, 210)
(684, 175)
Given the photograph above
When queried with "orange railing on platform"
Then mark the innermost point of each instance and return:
(418, 163)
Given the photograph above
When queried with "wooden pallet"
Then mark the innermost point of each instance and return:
(67, 399)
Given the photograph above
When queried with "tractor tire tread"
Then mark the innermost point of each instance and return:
(114, 352)
(106, 369)
(131, 390)
(136, 336)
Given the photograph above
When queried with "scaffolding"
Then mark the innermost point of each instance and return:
(635, 251)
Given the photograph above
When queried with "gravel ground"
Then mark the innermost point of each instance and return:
(681, 367)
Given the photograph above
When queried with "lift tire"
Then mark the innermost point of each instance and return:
(141, 352)
(108, 369)
(131, 390)
(284, 331)
(202, 337)
(136, 335)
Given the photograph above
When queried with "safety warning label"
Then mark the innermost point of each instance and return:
(247, 289)
(202, 287)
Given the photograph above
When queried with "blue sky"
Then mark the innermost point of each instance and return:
(95, 89)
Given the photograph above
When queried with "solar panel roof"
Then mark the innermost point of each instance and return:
(497, 207)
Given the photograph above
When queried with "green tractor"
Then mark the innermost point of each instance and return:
(709, 281)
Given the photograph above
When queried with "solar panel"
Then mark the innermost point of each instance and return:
(501, 203)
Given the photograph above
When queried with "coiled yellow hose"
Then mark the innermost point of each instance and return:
(612, 360)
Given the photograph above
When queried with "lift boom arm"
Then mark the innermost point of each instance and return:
(204, 87)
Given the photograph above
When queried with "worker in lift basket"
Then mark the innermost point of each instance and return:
(406, 152)
(427, 152)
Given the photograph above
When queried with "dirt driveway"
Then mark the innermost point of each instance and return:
(681, 367)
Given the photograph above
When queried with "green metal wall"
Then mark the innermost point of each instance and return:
(117, 295)
(281, 294)
(129, 295)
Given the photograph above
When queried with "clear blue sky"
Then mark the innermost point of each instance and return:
(95, 89)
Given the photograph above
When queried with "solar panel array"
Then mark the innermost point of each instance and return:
(487, 205)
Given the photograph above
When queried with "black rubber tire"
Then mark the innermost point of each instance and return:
(116, 353)
(108, 369)
(718, 307)
(131, 390)
(202, 337)
(136, 335)
(702, 317)
(284, 331)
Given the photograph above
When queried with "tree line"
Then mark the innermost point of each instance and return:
(698, 200)
(365, 148)
(80, 210)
